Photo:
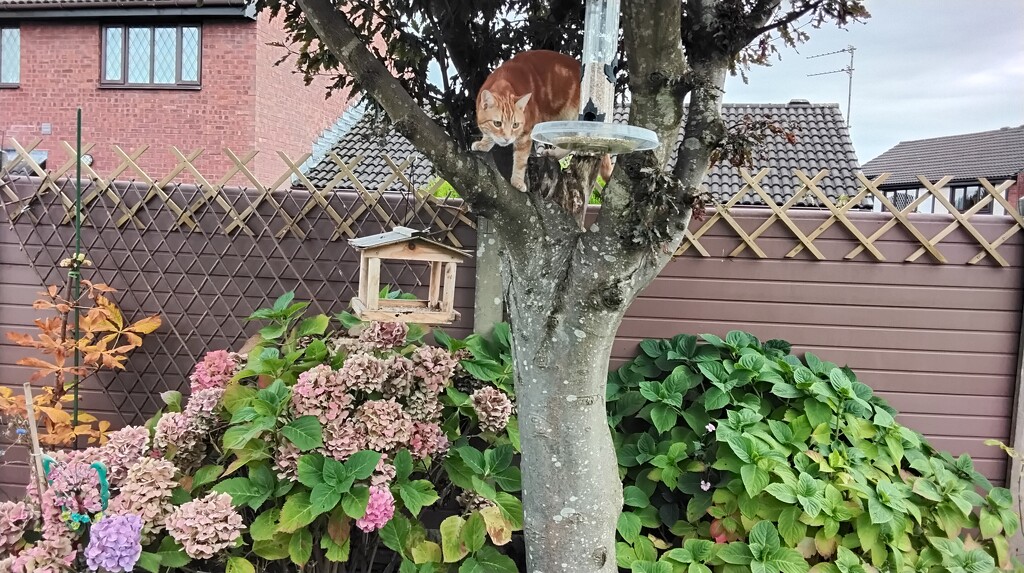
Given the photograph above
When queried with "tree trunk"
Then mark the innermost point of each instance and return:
(569, 523)
(564, 321)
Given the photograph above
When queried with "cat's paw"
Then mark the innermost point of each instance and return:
(519, 182)
(482, 145)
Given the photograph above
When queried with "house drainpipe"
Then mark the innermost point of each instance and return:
(1013, 474)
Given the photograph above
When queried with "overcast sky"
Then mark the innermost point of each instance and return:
(923, 68)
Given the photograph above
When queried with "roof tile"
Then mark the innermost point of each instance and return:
(823, 142)
(996, 154)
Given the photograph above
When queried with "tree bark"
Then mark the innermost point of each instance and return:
(566, 291)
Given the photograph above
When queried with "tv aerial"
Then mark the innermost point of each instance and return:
(848, 70)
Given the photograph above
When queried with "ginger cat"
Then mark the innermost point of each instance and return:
(531, 88)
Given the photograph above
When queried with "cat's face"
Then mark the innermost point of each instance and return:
(502, 117)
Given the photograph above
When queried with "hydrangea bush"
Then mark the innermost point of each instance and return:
(737, 456)
(327, 442)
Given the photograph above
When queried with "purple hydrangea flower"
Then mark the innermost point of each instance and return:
(115, 543)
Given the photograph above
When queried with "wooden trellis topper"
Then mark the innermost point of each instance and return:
(407, 244)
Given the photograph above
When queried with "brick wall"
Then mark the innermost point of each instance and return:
(289, 114)
(60, 66)
(1016, 191)
(245, 102)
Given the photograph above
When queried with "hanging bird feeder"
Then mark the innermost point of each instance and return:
(410, 246)
(594, 132)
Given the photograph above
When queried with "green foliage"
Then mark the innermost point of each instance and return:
(737, 455)
(306, 522)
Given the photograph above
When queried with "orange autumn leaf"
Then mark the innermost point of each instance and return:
(146, 325)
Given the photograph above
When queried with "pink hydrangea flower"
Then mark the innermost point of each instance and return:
(49, 555)
(423, 405)
(76, 488)
(384, 473)
(705, 485)
(286, 461)
(386, 425)
(114, 544)
(206, 526)
(123, 448)
(15, 517)
(427, 440)
(400, 381)
(384, 335)
(379, 510)
(493, 408)
(146, 492)
(363, 372)
(434, 366)
(202, 407)
(213, 371)
(710, 427)
(343, 438)
(319, 392)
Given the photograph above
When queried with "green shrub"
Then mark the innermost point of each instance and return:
(738, 456)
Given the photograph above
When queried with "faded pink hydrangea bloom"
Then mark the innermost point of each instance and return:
(384, 473)
(114, 544)
(493, 408)
(76, 487)
(343, 438)
(202, 408)
(710, 427)
(379, 510)
(400, 380)
(387, 426)
(176, 430)
(146, 492)
(345, 345)
(427, 440)
(286, 461)
(206, 526)
(384, 335)
(434, 366)
(705, 485)
(7, 564)
(49, 513)
(15, 517)
(363, 372)
(123, 448)
(319, 392)
(423, 405)
(213, 371)
(49, 555)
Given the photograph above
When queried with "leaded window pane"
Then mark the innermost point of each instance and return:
(139, 55)
(190, 54)
(165, 52)
(10, 55)
(113, 62)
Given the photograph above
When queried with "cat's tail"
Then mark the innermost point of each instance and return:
(605, 169)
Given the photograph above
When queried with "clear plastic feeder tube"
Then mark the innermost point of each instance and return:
(600, 44)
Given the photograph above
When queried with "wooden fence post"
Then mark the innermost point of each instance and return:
(488, 307)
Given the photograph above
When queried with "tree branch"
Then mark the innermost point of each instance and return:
(658, 83)
(477, 180)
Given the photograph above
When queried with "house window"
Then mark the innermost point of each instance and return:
(151, 56)
(901, 198)
(10, 57)
(963, 197)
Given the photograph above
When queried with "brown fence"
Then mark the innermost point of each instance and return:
(926, 308)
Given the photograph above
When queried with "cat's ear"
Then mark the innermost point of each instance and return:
(521, 102)
(488, 99)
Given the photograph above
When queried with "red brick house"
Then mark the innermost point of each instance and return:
(160, 73)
